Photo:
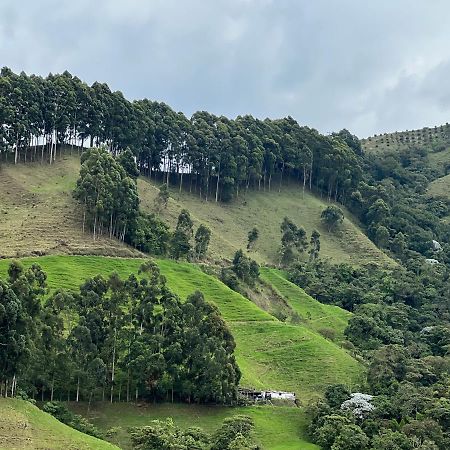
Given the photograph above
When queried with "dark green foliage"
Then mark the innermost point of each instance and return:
(332, 216)
(219, 157)
(293, 241)
(202, 237)
(126, 160)
(131, 332)
(245, 268)
(150, 235)
(162, 199)
(235, 433)
(164, 435)
(336, 394)
(60, 412)
(180, 243)
(314, 244)
(108, 195)
(252, 237)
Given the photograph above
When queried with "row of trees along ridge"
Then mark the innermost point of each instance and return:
(217, 157)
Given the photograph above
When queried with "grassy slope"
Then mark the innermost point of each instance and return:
(24, 426)
(271, 354)
(38, 214)
(314, 314)
(289, 423)
(230, 223)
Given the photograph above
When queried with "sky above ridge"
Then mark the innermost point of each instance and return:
(368, 66)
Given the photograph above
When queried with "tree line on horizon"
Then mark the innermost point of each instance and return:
(216, 156)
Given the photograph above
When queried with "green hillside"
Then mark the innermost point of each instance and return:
(400, 140)
(290, 423)
(270, 353)
(39, 216)
(24, 426)
(230, 223)
(314, 315)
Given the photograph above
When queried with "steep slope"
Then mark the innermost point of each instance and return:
(314, 315)
(230, 223)
(24, 426)
(39, 216)
(270, 353)
(280, 428)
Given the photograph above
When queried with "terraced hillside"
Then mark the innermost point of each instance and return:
(39, 216)
(24, 426)
(398, 140)
(270, 353)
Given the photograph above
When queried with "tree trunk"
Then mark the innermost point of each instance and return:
(78, 389)
(113, 365)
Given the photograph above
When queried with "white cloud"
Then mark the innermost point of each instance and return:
(366, 66)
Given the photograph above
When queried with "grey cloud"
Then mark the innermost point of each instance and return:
(367, 66)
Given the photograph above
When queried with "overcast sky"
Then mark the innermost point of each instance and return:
(369, 66)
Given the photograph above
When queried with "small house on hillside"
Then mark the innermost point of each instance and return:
(257, 395)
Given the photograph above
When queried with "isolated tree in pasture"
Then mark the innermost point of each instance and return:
(180, 244)
(202, 238)
(332, 216)
(314, 245)
(252, 237)
(162, 199)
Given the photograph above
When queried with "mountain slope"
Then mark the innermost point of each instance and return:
(270, 353)
(24, 426)
(314, 315)
(231, 222)
(39, 216)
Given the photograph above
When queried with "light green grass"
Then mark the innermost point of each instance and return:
(440, 187)
(183, 278)
(231, 222)
(276, 428)
(314, 315)
(38, 214)
(24, 426)
(271, 354)
(292, 358)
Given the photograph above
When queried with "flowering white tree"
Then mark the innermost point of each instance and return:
(359, 404)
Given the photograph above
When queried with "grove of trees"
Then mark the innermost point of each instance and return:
(114, 339)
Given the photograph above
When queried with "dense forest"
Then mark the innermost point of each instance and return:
(114, 339)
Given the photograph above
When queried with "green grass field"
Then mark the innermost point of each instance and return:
(276, 428)
(440, 187)
(39, 216)
(314, 315)
(24, 426)
(231, 222)
(270, 353)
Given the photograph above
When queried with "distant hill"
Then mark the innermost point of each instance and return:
(437, 137)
